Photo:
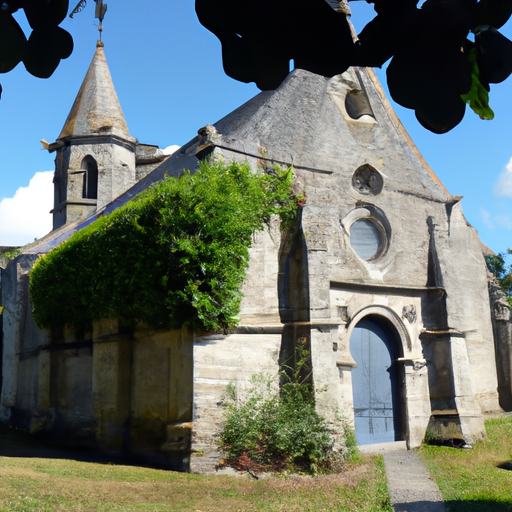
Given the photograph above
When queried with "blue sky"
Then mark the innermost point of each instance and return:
(168, 75)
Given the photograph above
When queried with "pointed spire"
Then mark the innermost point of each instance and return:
(96, 109)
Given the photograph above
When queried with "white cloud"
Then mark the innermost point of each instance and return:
(499, 221)
(503, 187)
(486, 218)
(503, 221)
(169, 150)
(27, 215)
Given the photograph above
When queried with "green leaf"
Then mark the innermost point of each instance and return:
(478, 96)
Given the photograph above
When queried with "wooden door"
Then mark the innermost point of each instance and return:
(371, 383)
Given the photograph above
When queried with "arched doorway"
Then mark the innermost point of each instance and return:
(377, 382)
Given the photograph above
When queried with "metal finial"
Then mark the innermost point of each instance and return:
(101, 9)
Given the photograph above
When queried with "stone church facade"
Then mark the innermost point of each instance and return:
(382, 278)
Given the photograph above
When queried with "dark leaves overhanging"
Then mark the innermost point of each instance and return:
(47, 44)
(444, 54)
(436, 67)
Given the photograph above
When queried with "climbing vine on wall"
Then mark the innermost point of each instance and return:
(176, 254)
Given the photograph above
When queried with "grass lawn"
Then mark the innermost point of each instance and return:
(470, 480)
(43, 483)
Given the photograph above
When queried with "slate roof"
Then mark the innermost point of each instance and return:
(96, 109)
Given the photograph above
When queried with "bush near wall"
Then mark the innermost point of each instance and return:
(497, 264)
(277, 428)
(175, 255)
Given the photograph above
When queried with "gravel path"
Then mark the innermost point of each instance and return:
(411, 487)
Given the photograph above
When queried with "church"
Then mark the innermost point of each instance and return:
(382, 278)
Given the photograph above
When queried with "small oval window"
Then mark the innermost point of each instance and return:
(365, 238)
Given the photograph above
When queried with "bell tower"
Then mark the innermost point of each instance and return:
(95, 153)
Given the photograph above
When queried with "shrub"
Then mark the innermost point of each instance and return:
(175, 255)
(277, 430)
(497, 265)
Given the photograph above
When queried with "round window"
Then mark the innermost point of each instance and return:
(365, 238)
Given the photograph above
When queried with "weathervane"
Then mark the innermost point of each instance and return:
(101, 9)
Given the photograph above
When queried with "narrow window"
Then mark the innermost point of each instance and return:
(90, 183)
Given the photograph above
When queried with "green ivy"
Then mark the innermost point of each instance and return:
(175, 255)
(10, 254)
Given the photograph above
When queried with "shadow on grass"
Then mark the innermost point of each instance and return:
(477, 506)
(15, 443)
(453, 506)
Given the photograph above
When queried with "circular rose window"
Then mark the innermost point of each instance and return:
(366, 238)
